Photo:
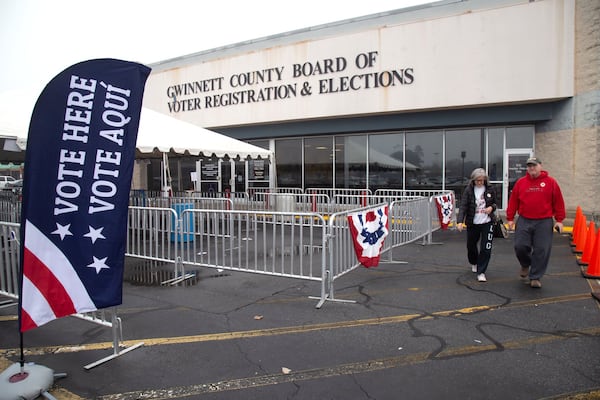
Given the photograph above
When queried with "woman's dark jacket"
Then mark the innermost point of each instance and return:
(466, 211)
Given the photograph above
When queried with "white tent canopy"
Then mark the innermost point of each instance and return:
(157, 132)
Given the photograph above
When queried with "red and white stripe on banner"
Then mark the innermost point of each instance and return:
(368, 229)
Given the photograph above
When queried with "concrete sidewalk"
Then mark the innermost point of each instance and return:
(422, 327)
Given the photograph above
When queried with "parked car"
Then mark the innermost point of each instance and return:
(4, 179)
(15, 186)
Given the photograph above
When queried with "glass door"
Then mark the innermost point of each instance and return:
(226, 183)
(209, 179)
(241, 177)
(515, 166)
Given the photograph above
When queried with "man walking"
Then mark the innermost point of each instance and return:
(537, 198)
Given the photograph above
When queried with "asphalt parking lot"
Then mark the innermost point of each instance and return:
(422, 327)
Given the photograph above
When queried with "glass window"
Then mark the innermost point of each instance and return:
(495, 140)
(187, 165)
(464, 153)
(258, 170)
(386, 161)
(318, 162)
(154, 171)
(288, 158)
(519, 137)
(424, 153)
(351, 162)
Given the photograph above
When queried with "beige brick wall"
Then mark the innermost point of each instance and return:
(572, 156)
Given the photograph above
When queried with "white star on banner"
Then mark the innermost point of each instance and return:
(95, 234)
(62, 230)
(99, 264)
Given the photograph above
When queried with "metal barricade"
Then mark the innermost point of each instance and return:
(332, 192)
(433, 212)
(279, 243)
(153, 234)
(9, 287)
(341, 257)
(261, 198)
(292, 202)
(408, 221)
(9, 259)
(193, 201)
(288, 190)
(410, 192)
(287, 244)
(10, 206)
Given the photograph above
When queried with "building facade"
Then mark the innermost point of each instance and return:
(414, 98)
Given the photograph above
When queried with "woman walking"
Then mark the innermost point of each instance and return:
(476, 212)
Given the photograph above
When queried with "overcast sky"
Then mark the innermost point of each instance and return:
(40, 38)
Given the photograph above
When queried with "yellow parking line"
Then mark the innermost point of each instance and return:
(326, 372)
(344, 369)
(285, 330)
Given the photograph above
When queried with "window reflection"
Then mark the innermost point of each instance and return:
(464, 153)
(495, 139)
(351, 162)
(386, 163)
(424, 150)
(424, 160)
(318, 162)
(188, 166)
(288, 156)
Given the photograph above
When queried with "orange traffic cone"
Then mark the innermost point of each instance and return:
(590, 241)
(593, 269)
(581, 235)
(578, 215)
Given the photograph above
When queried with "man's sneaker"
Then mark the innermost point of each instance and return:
(524, 272)
(535, 283)
(474, 268)
(481, 278)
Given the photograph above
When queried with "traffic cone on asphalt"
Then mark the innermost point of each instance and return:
(578, 215)
(593, 269)
(581, 235)
(590, 241)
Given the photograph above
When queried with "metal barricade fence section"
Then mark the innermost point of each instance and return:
(279, 243)
(289, 243)
(408, 221)
(9, 259)
(292, 202)
(10, 206)
(286, 244)
(9, 287)
(151, 233)
(10, 270)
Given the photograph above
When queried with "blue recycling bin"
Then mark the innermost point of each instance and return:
(186, 220)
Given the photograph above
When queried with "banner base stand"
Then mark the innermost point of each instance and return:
(27, 382)
(113, 356)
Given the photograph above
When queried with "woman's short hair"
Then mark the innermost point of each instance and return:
(479, 173)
